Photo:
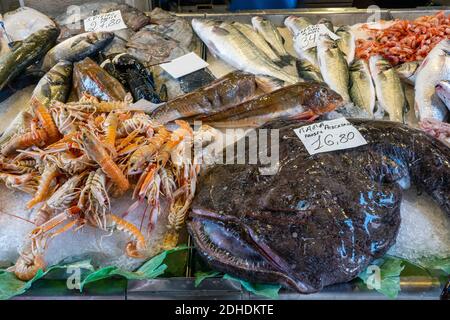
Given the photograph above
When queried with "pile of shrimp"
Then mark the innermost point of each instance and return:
(405, 40)
(72, 158)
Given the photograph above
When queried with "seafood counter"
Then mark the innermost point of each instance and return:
(111, 165)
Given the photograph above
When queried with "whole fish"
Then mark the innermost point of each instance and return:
(307, 71)
(303, 100)
(25, 53)
(89, 77)
(227, 43)
(388, 87)
(23, 22)
(270, 33)
(295, 25)
(312, 224)
(55, 84)
(346, 43)
(227, 91)
(152, 47)
(443, 92)
(407, 71)
(333, 66)
(362, 90)
(77, 48)
(434, 68)
(259, 42)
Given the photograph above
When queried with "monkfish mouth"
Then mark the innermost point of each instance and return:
(230, 247)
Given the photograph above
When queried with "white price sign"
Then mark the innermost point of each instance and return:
(337, 134)
(184, 65)
(110, 21)
(309, 37)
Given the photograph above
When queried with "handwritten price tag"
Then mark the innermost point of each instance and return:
(326, 136)
(309, 37)
(110, 21)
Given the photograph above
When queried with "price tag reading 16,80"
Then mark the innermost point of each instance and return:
(330, 135)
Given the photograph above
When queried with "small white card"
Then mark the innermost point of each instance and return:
(326, 136)
(111, 21)
(309, 37)
(184, 65)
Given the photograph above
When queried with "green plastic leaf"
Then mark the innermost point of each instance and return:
(149, 270)
(390, 269)
(260, 289)
(10, 286)
(200, 276)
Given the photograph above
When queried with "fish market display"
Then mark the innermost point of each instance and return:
(434, 68)
(333, 66)
(25, 53)
(300, 227)
(346, 43)
(73, 157)
(217, 97)
(362, 90)
(23, 22)
(405, 40)
(389, 90)
(258, 41)
(270, 33)
(89, 77)
(227, 43)
(304, 100)
(133, 75)
(443, 92)
(77, 48)
(55, 84)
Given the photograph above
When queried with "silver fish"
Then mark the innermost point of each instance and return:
(388, 87)
(295, 24)
(362, 90)
(55, 84)
(346, 43)
(327, 23)
(227, 43)
(407, 71)
(259, 42)
(272, 36)
(434, 68)
(77, 48)
(443, 92)
(333, 66)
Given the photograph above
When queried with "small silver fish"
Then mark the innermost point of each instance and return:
(346, 43)
(362, 90)
(407, 71)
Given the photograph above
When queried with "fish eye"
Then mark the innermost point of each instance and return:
(323, 90)
(302, 205)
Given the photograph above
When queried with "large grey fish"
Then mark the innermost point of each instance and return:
(362, 90)
(346, 42)
(320, 219)
(25, 53)
(227, 43)
(388, 88)
(272, 36)
(77, 48)
(434, 68)
(295, 25)
(55, 84)
(443, 92)
(407, 71)
(333, 66)
(259, 42)
(307, 71)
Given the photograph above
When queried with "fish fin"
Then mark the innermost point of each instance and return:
(220, 31)
(268, 84)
